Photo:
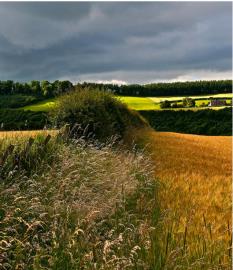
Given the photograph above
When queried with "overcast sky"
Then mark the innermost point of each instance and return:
(116, 41)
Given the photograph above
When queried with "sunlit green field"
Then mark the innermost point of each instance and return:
(141, 103)
(45, 105)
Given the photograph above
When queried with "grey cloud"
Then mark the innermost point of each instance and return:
(79, 40)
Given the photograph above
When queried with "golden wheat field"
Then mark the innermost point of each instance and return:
(195, 196)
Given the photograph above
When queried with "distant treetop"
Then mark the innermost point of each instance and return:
(50, 89)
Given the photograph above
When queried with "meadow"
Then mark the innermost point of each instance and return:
(45, 105)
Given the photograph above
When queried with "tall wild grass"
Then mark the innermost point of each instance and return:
(81, 206)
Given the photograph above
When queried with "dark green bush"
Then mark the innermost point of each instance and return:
(165, 104)
(189, 102)
(95, 113)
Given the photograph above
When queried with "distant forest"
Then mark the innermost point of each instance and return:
(48, 89)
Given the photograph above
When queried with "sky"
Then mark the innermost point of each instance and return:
(118, 42)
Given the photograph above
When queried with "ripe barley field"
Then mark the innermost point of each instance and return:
(195, 197)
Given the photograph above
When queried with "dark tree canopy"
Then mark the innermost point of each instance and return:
(50, 89)
(168, 89)
(41, 89)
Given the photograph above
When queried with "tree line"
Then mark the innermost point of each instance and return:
(51, 89)
(38, 88)
(167, 89)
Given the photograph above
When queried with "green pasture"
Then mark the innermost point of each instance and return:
(44, 106)
(139, 103)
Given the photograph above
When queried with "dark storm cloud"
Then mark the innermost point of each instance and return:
(133, 42)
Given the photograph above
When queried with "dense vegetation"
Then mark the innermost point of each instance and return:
(119, 118)
(97, 113)
(40, 89)
(71, 205)
(11, 119)
(206, 122)
(51, 89)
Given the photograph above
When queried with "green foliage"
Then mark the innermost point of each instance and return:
(168, 89)
(96, 113)
(43, 89)
(51, 89)
(205, 122)
(165, 104)
(188, 102)
(22, 120)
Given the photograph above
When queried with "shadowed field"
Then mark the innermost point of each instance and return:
(195, 197)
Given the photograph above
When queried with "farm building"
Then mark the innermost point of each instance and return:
(217, 102)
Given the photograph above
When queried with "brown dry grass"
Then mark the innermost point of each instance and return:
(195, 174)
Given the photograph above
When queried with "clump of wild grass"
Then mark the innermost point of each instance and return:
(93, 208)
(25, 155)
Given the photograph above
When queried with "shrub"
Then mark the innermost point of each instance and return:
(94, 113)
(165, 104)
(189, 102)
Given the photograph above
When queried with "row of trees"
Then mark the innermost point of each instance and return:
(37, 88)
(186, 103)
(50, 89)
(168, 89)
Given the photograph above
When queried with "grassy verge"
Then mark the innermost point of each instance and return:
(83, 208)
